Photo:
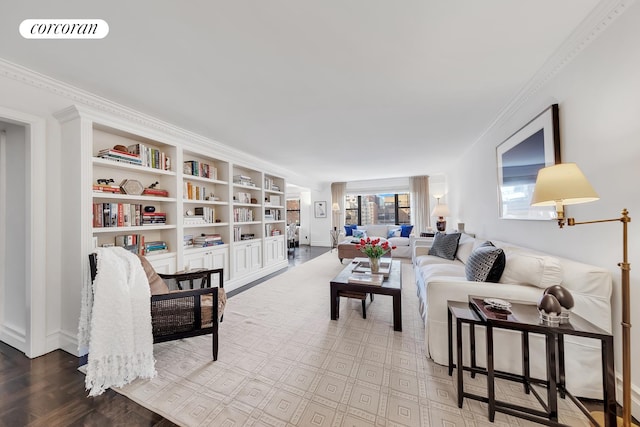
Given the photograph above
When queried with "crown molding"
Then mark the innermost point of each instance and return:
(602, 16)
(103, 110)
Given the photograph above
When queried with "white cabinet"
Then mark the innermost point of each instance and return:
(163, 264)
(247, 258)
(208, 258)
(274, 250)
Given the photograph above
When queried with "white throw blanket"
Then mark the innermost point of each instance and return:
(115, 322)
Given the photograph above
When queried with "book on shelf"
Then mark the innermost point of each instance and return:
(155, 192)
(100, 188)
(366, 279)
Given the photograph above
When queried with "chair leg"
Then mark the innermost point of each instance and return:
(364, 308)
(371, 296)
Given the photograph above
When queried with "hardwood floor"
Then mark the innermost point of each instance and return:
(49, 390)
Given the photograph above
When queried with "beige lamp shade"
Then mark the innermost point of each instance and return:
(563, 183)
(335, 207)
(440, 210)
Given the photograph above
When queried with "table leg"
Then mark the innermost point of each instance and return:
(608, 382)
(472, 346)
(491, 391)
(450, 340)
(397, 313)
(561, 375)
(460, 369)
(526, 370)
(552, 392)
(334, 303)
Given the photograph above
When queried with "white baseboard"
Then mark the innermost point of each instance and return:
(13, 337)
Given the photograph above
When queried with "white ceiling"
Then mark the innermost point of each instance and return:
(330, 88)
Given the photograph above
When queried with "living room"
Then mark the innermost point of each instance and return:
(590, 69)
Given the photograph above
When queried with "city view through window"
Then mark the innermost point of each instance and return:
(378, 209)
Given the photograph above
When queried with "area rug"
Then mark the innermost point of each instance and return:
(283, 362)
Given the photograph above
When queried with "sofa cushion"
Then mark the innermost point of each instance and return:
(399, 241)
(348, 229)
(405, 230)
(485, 264)
(532, 269)
(466, 245)
(394, 232)
(445, 245)
(377, 230)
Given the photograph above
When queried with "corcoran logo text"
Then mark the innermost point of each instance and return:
(64, 29)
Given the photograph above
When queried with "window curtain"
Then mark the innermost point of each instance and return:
(338, 190)
(419, 189)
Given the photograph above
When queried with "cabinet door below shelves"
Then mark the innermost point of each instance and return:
(247, 258)
(212, 258)
(274, 250)
(165, 265)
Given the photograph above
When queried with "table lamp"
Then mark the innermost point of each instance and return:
(565, 184)
(441, 211)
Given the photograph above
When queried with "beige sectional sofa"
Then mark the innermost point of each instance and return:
(526, 274)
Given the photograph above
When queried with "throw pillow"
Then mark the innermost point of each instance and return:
(359, 234)
(485, 264)
(532, 269)
(445, 245)
(405, 230)
(394, 232)
(348, 229)
(156, 284)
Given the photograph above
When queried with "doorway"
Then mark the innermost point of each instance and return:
(22, 232)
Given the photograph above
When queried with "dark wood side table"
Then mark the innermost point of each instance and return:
(524, 318)
(391, 285)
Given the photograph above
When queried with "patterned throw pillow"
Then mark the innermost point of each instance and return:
(445, 245)
(393, 232)
(359, 234)
(485, 264)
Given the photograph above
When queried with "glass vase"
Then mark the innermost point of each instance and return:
(374, 263)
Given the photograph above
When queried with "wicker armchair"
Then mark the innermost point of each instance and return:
(183, 313)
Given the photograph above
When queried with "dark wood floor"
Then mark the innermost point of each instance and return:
(49, 390)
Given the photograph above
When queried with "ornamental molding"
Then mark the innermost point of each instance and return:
(603, 15)
(106, 112)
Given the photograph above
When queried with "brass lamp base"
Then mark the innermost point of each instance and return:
(599, 417)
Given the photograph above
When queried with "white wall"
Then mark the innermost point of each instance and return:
(14, 304)
(319, 228)
(599, 101)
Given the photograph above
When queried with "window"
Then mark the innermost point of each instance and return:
(293, 211)
(378, 209)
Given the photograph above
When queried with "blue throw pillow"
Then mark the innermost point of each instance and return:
(405, 230)
(394, 232)
(348, 229)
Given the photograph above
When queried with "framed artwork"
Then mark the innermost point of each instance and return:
(519, 158)
(320, 209)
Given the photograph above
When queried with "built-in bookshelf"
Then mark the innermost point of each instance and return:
(177, 202)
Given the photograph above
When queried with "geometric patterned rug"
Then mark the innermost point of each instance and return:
(283, 362)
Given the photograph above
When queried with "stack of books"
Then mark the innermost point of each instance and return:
(243, 180)
(155, 192)
(206, 240)
(187, 241)
(366, 279)
(120, 156)
(154, 218)
(150, 157)
(155, 247)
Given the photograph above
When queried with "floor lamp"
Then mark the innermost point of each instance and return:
(565, 184)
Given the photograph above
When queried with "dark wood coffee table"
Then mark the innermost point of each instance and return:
(391, 285)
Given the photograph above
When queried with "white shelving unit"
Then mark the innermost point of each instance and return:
(208, 196)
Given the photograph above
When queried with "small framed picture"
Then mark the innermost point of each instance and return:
(320, 209)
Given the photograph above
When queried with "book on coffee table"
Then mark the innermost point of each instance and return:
(366, 279)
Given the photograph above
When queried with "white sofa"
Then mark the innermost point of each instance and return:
(383, 231)
(526, 274)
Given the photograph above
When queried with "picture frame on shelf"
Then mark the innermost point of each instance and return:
(320, 209)
(519, 157)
